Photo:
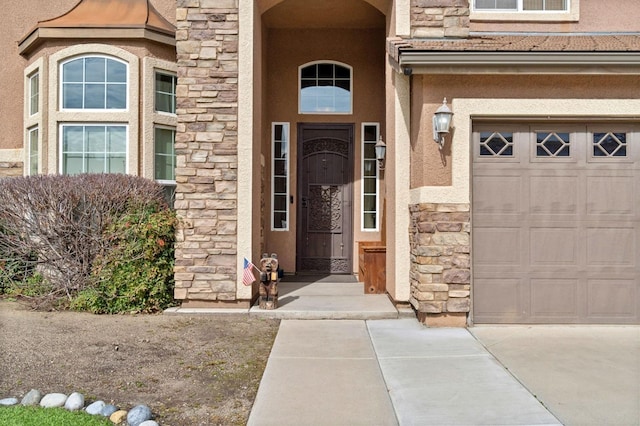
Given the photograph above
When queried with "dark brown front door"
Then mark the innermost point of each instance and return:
(325, 194)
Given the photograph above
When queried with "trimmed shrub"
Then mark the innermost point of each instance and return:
(136, 274)
(53, 228)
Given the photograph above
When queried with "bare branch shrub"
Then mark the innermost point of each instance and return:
(53, 226)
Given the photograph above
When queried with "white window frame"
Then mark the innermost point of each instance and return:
(34, 77)
(30, 153)
(572, 14)
(155, 153)
(127, 85)
(301, 67)
(155, 90)
(89, 124)
(362, 179)
(286, 134)
(151, 118)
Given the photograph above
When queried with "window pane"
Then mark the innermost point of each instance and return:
(325, 71)
(164, 154)
(280, 168)
(279, 220)
(165, 93)
(94, 96)
(33, 151)
(34, 89)
(507, 4)
(343, 72)
(280, 202)
(95, 163)
(72, 139)
(72, 96)
(280, 185)
(116, 164)
(116, 96)
(309, 72)
(94, 70)
(370, 168)
(369, 221)
(370, 133)
(116, 72)
(369, 186)
(95, 138)
(72, 164)
(369, 203)
(72, 71)
(164, 102)
(116, 139)
(533, 4)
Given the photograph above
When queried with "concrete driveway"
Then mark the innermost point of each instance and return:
(584, 375)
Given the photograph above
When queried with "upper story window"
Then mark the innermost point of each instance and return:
(522, 5)
(94, 82)
(325, 88)
(165, 92)
(34, 93)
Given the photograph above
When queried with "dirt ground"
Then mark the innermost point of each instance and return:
(190, 370)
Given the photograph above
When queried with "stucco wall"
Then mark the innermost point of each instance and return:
(286, 51)
(618, 15)
(432, 167)
(16, 20)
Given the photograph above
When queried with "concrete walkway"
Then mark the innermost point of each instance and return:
(387, 372)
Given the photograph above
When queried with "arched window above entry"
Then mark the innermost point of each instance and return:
(325, 88)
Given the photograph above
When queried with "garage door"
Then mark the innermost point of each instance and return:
(556, 223)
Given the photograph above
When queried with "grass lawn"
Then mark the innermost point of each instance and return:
(37, 416)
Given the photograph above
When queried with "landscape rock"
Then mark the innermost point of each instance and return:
(8, 401)
(53, 400)
(118, 417)
(149, 423)
(139, 414)
(33, 397)
(74, 402)
(95, 408)
(108, 410)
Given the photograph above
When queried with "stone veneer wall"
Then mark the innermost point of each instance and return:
(206, 151)
(440, 263)
(10, 169)
(439, 18)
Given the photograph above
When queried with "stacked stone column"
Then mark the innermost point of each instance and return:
(206, 151)
(440, 263)
(439, 18)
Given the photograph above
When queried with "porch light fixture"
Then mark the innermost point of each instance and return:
(381, 152)
(441, 123)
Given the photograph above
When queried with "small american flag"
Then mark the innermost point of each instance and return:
(247, 274)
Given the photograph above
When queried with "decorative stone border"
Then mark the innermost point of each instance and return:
(140, 415)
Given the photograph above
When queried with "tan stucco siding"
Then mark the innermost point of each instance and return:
(593, 16)
(432, 167)
(287, 50)
(16, 21)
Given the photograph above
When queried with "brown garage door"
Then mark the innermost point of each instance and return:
(556, 223)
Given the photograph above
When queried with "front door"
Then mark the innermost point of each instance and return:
(325, 191)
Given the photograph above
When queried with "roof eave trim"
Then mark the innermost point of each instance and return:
(423, 59)
(39, 35)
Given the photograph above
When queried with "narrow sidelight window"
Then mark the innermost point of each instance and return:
(280, 177)
(369, 178)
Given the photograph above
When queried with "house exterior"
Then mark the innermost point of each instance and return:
(527, 212)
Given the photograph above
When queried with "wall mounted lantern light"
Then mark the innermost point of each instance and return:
(381, 152)
(441, 123)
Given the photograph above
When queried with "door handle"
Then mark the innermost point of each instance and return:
(305, 201)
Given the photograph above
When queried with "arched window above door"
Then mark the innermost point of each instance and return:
(325, 88)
